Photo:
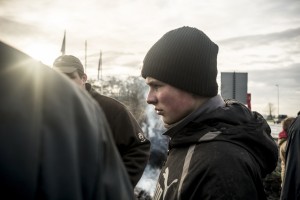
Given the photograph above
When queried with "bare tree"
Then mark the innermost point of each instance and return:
(270, 110)
(130, 92)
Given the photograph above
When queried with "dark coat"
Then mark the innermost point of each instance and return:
(291, 185)
(55, 142)
(218, 152)
(133, 146)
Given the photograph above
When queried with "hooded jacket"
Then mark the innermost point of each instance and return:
(220, 151)
(55, 142)
(291, 185)
(132, 145)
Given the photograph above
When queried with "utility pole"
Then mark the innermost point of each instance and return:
(277, 100)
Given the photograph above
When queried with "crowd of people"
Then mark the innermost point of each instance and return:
(60, 139)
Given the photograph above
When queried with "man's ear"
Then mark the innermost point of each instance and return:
(84, 78)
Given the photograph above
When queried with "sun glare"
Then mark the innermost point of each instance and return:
(44, 53)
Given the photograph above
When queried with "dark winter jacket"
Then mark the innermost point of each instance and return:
(133, 146)
(291, 185)
(55, 142)
(220, 151)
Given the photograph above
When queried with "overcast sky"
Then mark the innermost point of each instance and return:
(260, 37)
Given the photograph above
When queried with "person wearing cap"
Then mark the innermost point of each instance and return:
(48, 149)
(132, 145)
(217, 149)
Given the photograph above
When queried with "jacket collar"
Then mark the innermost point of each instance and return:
(209, 106)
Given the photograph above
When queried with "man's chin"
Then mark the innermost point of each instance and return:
(166, 122)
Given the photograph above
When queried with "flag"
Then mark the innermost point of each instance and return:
(249, 100)
(63, 46)
(100, 64)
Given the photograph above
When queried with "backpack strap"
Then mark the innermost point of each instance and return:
(209, 136)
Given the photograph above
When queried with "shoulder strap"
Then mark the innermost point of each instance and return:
(209, 136)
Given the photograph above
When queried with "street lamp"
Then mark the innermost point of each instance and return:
(277, 99)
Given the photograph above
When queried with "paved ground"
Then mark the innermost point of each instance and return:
(275, 129)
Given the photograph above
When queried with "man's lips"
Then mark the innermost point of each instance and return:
(158, 111)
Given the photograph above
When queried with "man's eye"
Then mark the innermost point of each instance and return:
(71, 76)
(156, 87)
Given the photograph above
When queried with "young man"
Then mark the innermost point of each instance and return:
(133, 146)
(291, 184)
(55, 142)
(217, 149)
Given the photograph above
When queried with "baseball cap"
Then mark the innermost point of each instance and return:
(68, 64)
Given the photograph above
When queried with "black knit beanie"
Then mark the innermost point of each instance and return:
(184, 58)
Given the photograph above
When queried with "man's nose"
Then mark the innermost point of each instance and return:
(151, 99)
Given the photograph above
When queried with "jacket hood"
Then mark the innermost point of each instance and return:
(238, 125)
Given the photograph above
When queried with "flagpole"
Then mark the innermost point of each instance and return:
(100, 66)
(100, 70)
(85, 63)
(63, 46)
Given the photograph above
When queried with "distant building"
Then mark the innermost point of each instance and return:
(234, 85)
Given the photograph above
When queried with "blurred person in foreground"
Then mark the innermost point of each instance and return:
(133, 146)
(218, 149)
(282, 139)
(55, 142)
(291, 184)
